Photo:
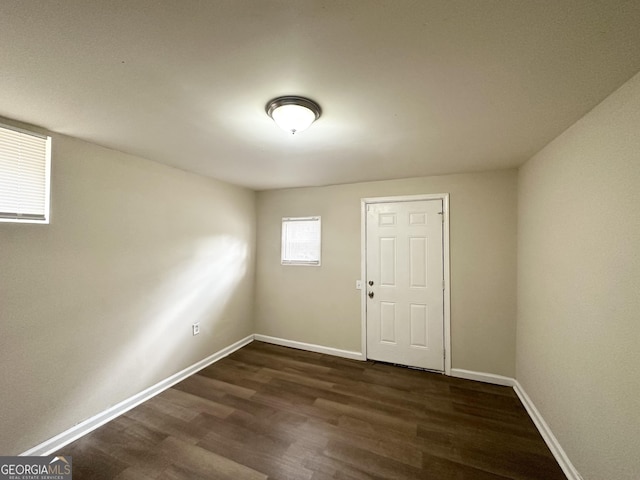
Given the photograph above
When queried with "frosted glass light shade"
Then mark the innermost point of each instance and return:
(293, 118)
(293, 114)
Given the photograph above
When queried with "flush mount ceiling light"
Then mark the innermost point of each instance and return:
(293, 114)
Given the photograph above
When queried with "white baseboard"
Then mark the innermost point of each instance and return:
(59, 441)
(310, 347)
(546, 433)
(483, 377)
(548, 436)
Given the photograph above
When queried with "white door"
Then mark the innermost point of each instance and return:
(404, 283)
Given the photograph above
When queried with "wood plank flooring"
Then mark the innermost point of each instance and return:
(270, 412)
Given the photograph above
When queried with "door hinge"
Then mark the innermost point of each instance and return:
(444, 354)
(442, 284)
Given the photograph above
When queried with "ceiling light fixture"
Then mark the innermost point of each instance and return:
(293, 114)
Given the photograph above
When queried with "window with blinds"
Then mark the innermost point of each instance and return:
(25, 166)
(301, 241)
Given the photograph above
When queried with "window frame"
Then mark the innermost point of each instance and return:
(47, 179)
(300, 263)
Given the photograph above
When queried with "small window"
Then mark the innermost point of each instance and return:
(25, 165)
(301, 241)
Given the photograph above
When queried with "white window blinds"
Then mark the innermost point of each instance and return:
(25, 162)
(301, 243)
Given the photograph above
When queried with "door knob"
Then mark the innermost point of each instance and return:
(370, 294)
(371, 283)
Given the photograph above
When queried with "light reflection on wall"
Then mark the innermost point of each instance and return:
(197, 290)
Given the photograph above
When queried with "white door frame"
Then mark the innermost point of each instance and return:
(445, 253)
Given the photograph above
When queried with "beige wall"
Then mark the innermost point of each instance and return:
(320, 305)
(578, 339)
(98, 305)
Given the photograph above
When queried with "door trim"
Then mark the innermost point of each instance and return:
(445, 253)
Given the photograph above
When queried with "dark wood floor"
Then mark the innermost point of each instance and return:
(278, 413)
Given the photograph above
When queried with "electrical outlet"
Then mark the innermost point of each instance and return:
(195, 328)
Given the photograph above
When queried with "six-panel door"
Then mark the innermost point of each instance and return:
(405, 301)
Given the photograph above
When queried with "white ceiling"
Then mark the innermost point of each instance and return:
(408, 88)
